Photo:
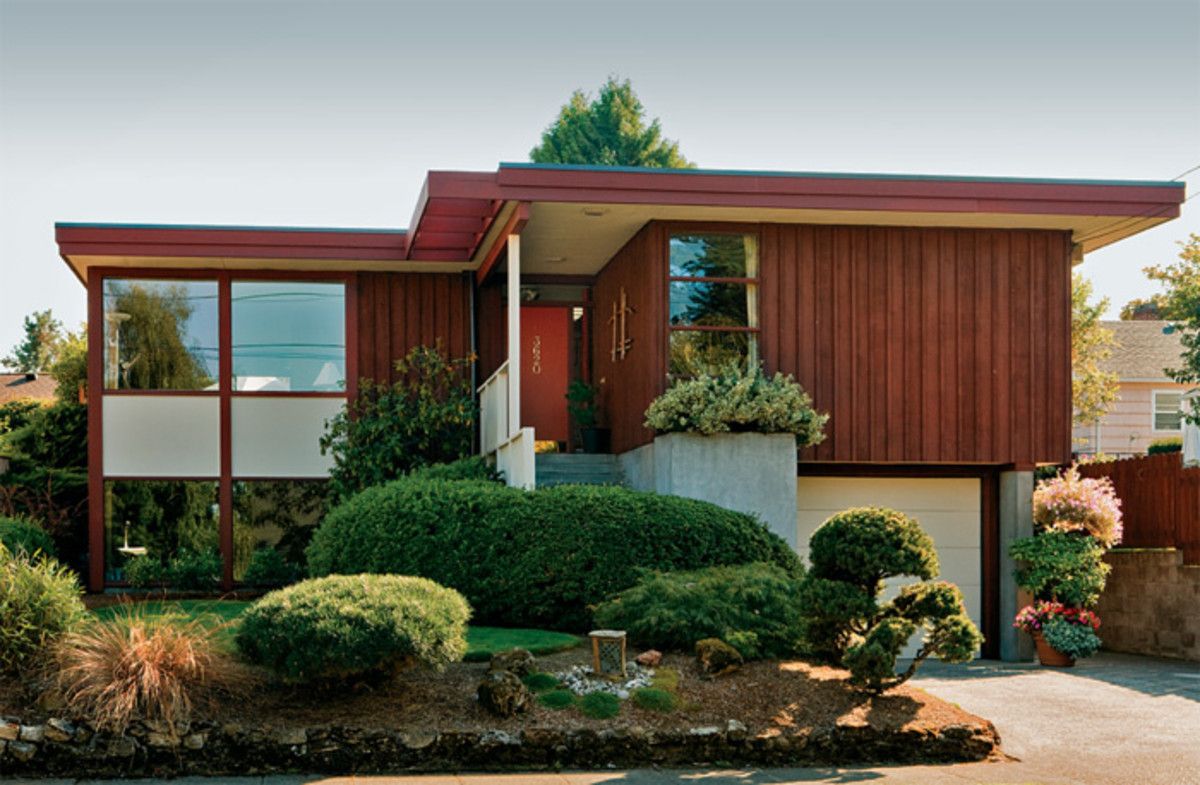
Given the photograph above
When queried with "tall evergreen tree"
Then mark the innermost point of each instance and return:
(37, 350)
(609, 130)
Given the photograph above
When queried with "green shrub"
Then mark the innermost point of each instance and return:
(195, 570)
(1074, 640)
(475, 467)
(600, 705)
(268, 567)
(752, 606)
(1169, 444)
(541, 682)
(354, 625)
(533, 558)
(852, 554)
(426, 417)
(23, 536)
(737, 400)
(39, 602)
(1063, 566)
(654, 699)
(557, 699)
(143, 572)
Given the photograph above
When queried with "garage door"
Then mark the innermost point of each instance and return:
(947, 508)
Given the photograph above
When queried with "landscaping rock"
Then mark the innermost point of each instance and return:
(717, 657)
(518, 661)
(649, 659)
(33, 733)
(21, 750)
(736, 729)
(9, 731)
(156, 739)
(122, 747)
(59, 730)
(502, 693)
(195, 741)
(290, 737)
(418, 740)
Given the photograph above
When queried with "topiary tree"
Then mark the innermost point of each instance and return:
(851, 556)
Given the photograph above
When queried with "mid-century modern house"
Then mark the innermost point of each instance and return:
(1149, 403)
(928, 316)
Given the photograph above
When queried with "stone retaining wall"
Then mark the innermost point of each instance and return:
(63, 749)
(1151, 604)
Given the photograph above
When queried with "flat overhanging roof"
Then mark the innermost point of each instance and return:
(594, 208)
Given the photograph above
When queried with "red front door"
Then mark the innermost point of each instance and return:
(545, 335)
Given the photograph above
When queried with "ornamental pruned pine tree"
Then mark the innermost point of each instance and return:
(851, 556)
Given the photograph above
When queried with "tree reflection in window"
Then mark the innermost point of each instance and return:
(160, 335)
(713, 313)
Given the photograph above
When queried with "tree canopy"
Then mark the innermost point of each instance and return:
(609, 130)
(1181, 307)
(37, 350)
(1093, 390)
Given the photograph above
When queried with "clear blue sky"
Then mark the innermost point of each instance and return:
(329, 113)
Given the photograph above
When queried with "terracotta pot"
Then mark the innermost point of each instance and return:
(1050, 656)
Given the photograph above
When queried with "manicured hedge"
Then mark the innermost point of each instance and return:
(533, 558)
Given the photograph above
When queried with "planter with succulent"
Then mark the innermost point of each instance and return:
(1076, 520)
(582, 406)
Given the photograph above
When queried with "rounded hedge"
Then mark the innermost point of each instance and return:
(21, 536)
(353, 625)
(534, 558)
(864, 545)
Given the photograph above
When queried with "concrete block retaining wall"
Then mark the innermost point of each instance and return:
(1151, 604)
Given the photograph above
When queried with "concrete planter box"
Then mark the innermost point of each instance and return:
(748, 472)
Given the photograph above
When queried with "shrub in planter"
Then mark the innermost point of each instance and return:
(752, 606)
(1071, 503)
(851, 555)
(533, 558)
(348, 626)
(1169, 444)
(39, 602)
(268, 567)
(137, 667)
(738, 400)
(1058, 565)
(23, 536)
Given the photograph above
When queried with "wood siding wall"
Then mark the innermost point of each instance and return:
(397, 311)
(924, 345)
(627, 386)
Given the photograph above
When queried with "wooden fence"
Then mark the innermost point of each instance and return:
(1160, 500)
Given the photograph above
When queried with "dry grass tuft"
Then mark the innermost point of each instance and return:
(137, 667)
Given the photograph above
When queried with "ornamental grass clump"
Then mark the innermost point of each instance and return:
(138, 667)
(738, 400)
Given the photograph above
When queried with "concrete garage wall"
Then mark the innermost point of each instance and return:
(1151, 605)
(748, 472)
(949, 509)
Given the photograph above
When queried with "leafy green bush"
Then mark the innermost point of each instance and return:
(852, 554)
(1063, 566)
(475, 467)
(753, 607)
(195, 570)
(39, 602)
(1169, 444)
(268, 568)
(533, 558)
(427, 416)
(654, 699)
(557, 699)
(354, 625)
(1074, 640)
(737, 400)
(23, 536)
(143, 572)
(600, 705)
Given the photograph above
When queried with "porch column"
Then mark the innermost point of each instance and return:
(1016, 521)
(514, 335)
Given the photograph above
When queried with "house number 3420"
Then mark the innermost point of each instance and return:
(536, 366)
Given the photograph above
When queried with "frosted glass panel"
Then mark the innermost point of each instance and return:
(280, 437)
(162, 436)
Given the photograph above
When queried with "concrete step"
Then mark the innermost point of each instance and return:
(577, 469)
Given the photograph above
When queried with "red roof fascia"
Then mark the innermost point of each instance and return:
(250, 243)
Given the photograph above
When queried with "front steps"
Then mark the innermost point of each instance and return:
(577, 469)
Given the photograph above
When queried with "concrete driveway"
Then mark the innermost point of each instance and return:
(1111, 720)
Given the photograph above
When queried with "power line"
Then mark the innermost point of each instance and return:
(1184, 174)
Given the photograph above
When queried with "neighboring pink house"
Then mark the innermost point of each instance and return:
(1149, 406)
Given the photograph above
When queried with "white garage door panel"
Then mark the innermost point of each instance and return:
(948, 509)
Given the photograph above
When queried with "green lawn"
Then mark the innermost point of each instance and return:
(482, 642)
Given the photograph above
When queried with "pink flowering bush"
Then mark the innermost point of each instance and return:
(1070, 503)
(1032, 618)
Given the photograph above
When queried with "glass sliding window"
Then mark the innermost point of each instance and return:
(1168, 411)
(713, 318)
(157, 520)
(160, 335)
(289, 336)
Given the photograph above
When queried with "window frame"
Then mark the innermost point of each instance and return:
(1154, 410)
(753, 284)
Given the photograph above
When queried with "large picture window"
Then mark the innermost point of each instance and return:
(159, 520)
(289, 336)
(160, 335)
(713, 314)
(1168, 411)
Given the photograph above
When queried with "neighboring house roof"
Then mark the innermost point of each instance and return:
(14, 386)
(1143, 350)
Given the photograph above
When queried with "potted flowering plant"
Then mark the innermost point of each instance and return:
(1076, 520)
(1062, 634)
